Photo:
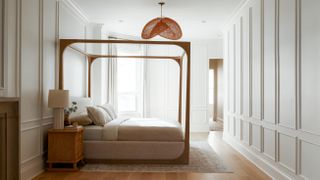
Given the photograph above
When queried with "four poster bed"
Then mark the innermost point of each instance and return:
(142, 140)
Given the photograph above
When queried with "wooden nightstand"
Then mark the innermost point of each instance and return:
(65, 146)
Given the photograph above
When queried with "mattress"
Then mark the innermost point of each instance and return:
(92, 132)
(136, 129)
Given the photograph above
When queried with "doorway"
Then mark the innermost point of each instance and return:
(215, 94)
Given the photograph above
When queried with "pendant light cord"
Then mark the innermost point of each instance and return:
(161, 4)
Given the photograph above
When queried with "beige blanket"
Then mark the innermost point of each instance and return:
(142, 129)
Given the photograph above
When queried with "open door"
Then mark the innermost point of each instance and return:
(215, 94)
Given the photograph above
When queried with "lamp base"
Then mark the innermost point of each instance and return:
(58, 122)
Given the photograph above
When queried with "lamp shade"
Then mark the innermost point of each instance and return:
(165, 27)
(58, 98)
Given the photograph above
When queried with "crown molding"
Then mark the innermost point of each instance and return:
(75, 8)
(235, 13)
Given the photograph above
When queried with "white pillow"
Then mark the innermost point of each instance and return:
(81, 118)
(110, 110)
(98, 115)
(82, 103)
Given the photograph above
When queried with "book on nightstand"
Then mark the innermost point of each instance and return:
(73, 127)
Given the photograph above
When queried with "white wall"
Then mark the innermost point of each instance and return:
(163, 79)
(37, 58)
(99, 67)
(201, 52)
(162, 84)
(71, 25)
(272, 57)
(41, 23)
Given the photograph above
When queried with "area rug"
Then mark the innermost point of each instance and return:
(202, 160)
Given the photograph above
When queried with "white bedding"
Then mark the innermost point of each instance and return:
(136, 129)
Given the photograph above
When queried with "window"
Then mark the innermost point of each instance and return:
(130, 84)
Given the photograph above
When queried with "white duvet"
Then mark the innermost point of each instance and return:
(142, 129)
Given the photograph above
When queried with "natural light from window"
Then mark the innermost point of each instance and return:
(130, 89)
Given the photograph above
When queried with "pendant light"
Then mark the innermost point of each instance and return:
(163, 26)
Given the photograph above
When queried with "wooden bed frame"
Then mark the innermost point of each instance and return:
(64, 43)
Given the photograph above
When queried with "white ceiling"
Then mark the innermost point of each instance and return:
(129, 16)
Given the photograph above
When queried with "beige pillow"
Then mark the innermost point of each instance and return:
(81, 118)
(110, 110)
(98, 115)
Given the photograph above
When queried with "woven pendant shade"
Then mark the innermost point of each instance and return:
(163, 26)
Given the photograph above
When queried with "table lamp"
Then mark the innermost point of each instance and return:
(58, 100)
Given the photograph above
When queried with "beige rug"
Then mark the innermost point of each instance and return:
(202, 160)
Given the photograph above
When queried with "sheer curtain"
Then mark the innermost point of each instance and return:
(113, 81)
(112, 96)
(145, 92)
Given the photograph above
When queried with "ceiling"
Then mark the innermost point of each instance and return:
(199, 19)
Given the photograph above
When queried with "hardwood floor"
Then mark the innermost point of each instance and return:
(241, 167)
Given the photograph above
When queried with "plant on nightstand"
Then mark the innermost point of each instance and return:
(67, 111)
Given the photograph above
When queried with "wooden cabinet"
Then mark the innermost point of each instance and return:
(9, 138)
(65, 146)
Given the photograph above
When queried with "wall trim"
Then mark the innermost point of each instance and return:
(287, 166)
(32, 168)
(255, 159)
(75, 8)
(294, 169)
(235, 13)
(36, 123)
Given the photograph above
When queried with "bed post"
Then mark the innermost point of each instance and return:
(180, 89)
(62, 46)
(187, 137)
(185, 156)
(90, 60)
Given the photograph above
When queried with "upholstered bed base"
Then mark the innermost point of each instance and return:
(107, 151)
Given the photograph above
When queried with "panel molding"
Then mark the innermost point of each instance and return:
(255, 158)
(262, 60)
(274, 158)
(293, 170)
(234, 68)
(260, 147)
(35, 123)
(299, 167)
(286, 124)
(278, 129)
(263, 51)
(250, 61)
(241, 65)
(299, 68)
(298, 65)
(260, 37)
(33, 164)
(246, 142)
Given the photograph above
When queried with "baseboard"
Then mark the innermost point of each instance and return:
(37, 174)
(255, 159)
(32, 168)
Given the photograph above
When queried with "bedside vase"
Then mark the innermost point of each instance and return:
(66, 120)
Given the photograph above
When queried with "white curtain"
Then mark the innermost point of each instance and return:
(145, 92)
(112, 96)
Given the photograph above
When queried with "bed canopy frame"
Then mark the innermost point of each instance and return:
(90, 58)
